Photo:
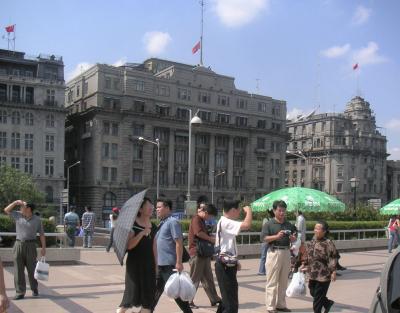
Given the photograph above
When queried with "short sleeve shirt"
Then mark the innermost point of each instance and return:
(27, 228)
(227, 230)
(169, 231)
(197, 225)
(273, 227)
(71, 219)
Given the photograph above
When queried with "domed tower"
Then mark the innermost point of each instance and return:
(358, 110)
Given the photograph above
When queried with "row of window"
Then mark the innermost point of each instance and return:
(22, 94)
(15, 142)
(28, 118)
(26, 164)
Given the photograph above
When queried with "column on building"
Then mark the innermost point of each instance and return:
(148, 166)
(230, 162)
(192, 159)
(211, 160)
(171, 157)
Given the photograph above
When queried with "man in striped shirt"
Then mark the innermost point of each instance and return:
(88, 222)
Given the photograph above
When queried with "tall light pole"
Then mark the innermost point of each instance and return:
(212, 185)
(157, 143)
(354, 184)
(192, 120)
(69, 167)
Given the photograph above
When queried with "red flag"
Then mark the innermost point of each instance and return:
(355, 66)
(10, 28)
(196, 48)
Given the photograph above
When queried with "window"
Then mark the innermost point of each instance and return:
(202, 139)
(15, 118)
(29, 119)
(180, 178)
(162, 90)
(3, 140)
(105, 151)
(223, 118)
(260, 182)
(162, 110)
(104, 173)
(50, 120)
(262, 124)
(49, 194)
(3, 117)
(29, 142)
(15, 141)
(184, 94)
(137, 130)
(181, 157)
(221, 182)
(106, 127)
(51, 96)
(15, 163)
(3, 161)
(137, 151)
(161, 133)
(109, 200)
(260, 163)
(223, 100)
(111, 103)
(49, 143)
(116, 83)
(241, 121)
(238, 181)
(238, 161)
(239, 142)
(201, 158)
(339, 187)
(204, 97)
(205, 116)
(340, 172)
(113, 174)
(137, 175)
(220, 160)
(3, 90)
(28, 166)
(114, 151)
(16, 94)
(182, 113)
(107, 83)
(181, 140)
(85, 88)
(221, 141)
(262, 107)
(78, 90)
(138, 85)
(200, 179)
(276, 111)
(49, 167)
(114, 129)
(241, 104)
(260, 143)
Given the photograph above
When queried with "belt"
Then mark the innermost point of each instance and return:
(279, 248)
(31, 240)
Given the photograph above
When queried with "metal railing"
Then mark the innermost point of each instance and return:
(61, 238)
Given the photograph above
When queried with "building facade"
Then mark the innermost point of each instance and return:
(393, 180)
(242, 134)
(32, 115)
(327, 150)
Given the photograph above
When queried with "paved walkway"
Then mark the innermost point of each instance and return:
(97, 285)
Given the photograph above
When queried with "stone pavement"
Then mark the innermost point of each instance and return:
(96, 285)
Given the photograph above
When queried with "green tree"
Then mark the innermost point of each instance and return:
(17, 185)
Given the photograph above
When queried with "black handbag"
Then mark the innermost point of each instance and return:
(185, 255)
(204, 248)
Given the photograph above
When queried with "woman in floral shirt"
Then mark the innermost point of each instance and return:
(319, 261)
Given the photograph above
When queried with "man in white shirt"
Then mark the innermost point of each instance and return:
(301, 226)
(227, 230)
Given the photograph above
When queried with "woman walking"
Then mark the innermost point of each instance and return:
(113, 221)
(393, 229)
(140, 277)
(319, 261)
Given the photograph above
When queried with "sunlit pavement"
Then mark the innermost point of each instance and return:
(97, 285)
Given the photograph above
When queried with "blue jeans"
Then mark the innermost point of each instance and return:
(87, 238)
(264, 250)
(392, 236)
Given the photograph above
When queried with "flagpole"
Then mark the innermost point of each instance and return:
(201, 36)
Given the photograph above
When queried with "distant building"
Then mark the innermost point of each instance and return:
(327, 150)
(32, 117)
(393, 180)
(109, 107)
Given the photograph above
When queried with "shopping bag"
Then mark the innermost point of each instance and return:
(42, 270)
(296, 246)
(297, 286)
(81, 232)
(172, 287)
(187, 290)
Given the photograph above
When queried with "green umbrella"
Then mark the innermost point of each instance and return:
(302, 199)
(392, 208)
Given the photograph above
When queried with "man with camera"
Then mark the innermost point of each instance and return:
(278, 233)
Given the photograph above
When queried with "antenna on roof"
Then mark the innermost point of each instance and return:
(258, 85)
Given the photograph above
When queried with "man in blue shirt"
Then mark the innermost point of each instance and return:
(169, 245)
(71, 224)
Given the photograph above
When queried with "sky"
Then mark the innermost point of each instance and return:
(300, 51)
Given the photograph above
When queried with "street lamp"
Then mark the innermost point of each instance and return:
(192, 120)
(157, 143)
(354, 182)
(212, 185)
(76, 163)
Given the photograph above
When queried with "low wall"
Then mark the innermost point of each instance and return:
(53, 255)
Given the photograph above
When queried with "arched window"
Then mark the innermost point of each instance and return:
(49, 194)
(180, 203)
(29, 119)
(15, 118)
(109, 199)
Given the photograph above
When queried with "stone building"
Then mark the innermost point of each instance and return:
(32, 115)
(393, 180)
(327, 150)
(242, 134)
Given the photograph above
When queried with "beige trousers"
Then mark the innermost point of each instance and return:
(277, 266)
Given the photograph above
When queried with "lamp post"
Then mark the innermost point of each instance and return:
(192, 120)
(354, 184)
(299, 154)
(157, 143)
(69, 167)
(212, 185)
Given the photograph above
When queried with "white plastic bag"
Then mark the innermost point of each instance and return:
(297, 286)
(296, 246)
(187, 288)
(42, 270)
(172, 286)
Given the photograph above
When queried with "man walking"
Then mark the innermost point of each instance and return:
(200, 265)
(227, 229)
(71, 224)
(169, 247)
(88, 222)
(278, 233)
(27, 226)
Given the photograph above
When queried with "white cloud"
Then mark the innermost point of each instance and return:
(361, 15)
(394, 124)
(120, 62)
(79, 68)
(336, 51)
(293, 113)
(156, 42)
(368, 55)
(394, 153)
(235, 13)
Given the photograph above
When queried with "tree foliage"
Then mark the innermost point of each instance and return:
(17, 185)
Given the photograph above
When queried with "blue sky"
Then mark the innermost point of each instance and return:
(301, 51)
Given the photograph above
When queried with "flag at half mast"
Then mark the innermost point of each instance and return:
(196, 48)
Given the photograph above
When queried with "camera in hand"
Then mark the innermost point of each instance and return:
(287, 232)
